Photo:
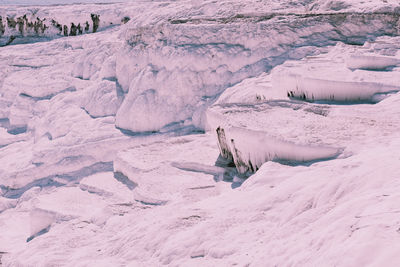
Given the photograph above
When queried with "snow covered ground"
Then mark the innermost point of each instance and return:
(200, 133)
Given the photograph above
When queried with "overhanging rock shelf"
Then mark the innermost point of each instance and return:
(315, 109)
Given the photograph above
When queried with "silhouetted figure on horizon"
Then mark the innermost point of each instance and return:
(86, 27)
(2, 27)
(65, 30)
(72, 30)
(96, 21)
(79, 29)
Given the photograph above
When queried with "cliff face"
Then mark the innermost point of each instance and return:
(200, 57)
(197, 49)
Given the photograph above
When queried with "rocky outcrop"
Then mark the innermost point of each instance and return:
(197, 58)
(296, 123)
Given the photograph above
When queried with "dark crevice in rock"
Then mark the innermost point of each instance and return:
(28, 66)
(120, 91)
(81, 78)
(132, 133)
(95, 117)
(41, 232)
(50, 96)
(17, 193)
(240, 163)
(202, 187)
(223, 147)
(111, 79)
(337, 18)
(52, 179)
(197, 256)
(119, 176)
(172, 129)
(15, 130)
(155, 203)
(87, 112)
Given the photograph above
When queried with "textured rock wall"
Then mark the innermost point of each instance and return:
(195, 59)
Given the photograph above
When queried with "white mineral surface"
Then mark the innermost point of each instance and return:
(199, 133)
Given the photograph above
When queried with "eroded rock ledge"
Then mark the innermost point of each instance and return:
(308, 110)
